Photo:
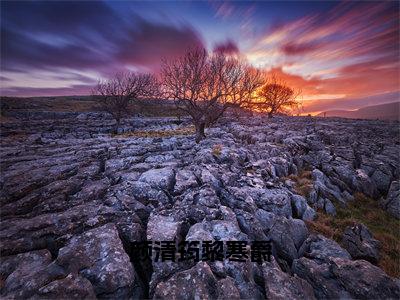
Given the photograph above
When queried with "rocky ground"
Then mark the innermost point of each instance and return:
(74, 199)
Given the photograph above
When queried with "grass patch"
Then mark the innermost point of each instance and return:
(157, 133)
(303, 182)
(383, 227)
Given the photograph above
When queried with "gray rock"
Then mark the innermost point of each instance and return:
(363, 183)
(280, 285)
(244, 276)
(92, 264)
(24, 274)
(360, 243)
(275, 201)
(72, 287)
(146, 194)
(65, 176)
(287, 236)
(185, 180)
(223, 230)
(382, 177)
(159, 178)
(199, 232)
(320, 248)
(324, 187)
(299, 205)
(163, 228)
(309, 215)
(301, 209)
(392, 201)
(329, 208)
(103, 261)
(198, 282)
(343, 278)
(312, 197)
(228, 289)
(250, 225)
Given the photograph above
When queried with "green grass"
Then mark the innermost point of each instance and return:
(383, 227)
(363, 209)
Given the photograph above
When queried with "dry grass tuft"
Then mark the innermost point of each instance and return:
(157, 133)
(216, 150)
(303, 182)
(383, 227)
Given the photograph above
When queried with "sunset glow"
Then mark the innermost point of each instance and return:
(342, 55)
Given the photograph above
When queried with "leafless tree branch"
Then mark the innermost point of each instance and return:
(117, 93)
(204, 85)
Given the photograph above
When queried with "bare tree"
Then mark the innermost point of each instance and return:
(117, 93)
(275, 96)
(204, 85)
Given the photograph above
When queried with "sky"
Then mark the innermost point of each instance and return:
(341, 55)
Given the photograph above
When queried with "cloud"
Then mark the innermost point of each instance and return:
(146, 43)
(350, 52)
(316, 106)
(62, 37)
(54, 34)
(228, 47)
(223, 10)
(306, 86)
(3, 78)
(80, 89)
(298, 48)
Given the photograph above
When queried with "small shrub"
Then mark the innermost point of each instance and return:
(216, 150)
(303, 182)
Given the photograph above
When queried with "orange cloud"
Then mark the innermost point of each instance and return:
(350, 52)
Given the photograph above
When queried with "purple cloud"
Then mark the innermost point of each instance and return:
(227, 47)
(85, 36)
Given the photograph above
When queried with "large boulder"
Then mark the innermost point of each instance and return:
(185, 179)
(325, 188)
(246, 276)
(301, 209)
(360, 243)
(71, 287)
(198, 282)
(339, 278)
(363, 183)
(287, 235)
(92, 264)
(147, 194)
(382, 177)
(21, 273)
(98, 255)
(280, 285)
(163, 228)
(320, 248)
(50, 230)
(392, 201)
(163, 178)
(276, 201)
(199, 232)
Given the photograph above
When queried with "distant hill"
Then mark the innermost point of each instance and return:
(388, 111)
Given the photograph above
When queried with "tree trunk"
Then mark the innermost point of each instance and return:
(270, 114)
(116, 127)
(200, 131)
